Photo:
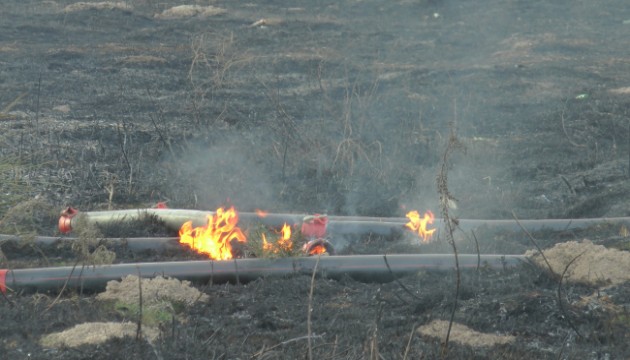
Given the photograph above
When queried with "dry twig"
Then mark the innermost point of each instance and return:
(310, 310)
(566, 268)
(553, 274)
(399, 282)
(139, 328)
(63, 288)
(450, 223)
(564, 129)
(531, 238)
(413, 330)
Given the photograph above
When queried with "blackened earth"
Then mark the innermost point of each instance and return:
(339, 107)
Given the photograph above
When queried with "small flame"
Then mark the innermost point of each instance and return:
(319, 249)
(261, 213)
(284, 243)
(215, 238)
(267, 246)
(419, 225)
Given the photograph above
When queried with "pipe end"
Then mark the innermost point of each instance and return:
(65, 221)
(3, 281)
(161, 205)
(318, 247)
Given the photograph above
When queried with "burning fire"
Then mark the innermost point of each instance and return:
(317, 248)
(283, 244)
(261, 213)
(419, 225)
(215, 238)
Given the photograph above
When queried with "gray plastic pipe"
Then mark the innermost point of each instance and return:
(337, 225)
(369, 268)
(138, 244)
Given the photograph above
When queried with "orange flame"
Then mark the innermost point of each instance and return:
(419, 225)
(284, 243)
(316, 247)
(317, 250)
(215, 238)
(261, 213)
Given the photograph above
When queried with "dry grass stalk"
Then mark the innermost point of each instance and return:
(446, 199)
(310, 310)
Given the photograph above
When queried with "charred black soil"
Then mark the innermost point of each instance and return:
(337, 107)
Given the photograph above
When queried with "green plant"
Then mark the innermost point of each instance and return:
(152, 314)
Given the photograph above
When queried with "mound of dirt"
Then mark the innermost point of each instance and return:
(94, 333)
(184, 11)
(154, 291)
(462, 334)
(103, 5)
(589, 263)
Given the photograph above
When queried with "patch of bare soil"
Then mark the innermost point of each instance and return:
(337, 107)
(462, 334)
(102, 5)
(184, 11)
(154, 291)
(586, 262)
(94, 334)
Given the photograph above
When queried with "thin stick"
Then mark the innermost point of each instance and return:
(564, 129)
(413, 330)
(160, 115)
(531, 238)
(39, 91)
(299, 338)
(457, 287)
(553, 274)
(11, 303)
(566, 315)
(374, 352)
(478, 252)
(334, 352)
(37, 249)
(398, 281)
(449, 223)
(64, 285)
(8, 108)
(139, 328)
(310, 309)
(568, 184)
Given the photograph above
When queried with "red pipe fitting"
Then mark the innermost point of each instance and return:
(3, 281)
(314, 226)
(65, 220)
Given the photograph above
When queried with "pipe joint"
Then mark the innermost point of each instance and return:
(65, 220)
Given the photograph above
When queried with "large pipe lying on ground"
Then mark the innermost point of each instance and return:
(159, 244)
(337, 225)
(138, 244)
(371, 268)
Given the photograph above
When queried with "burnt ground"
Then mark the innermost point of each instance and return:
(342, 107)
